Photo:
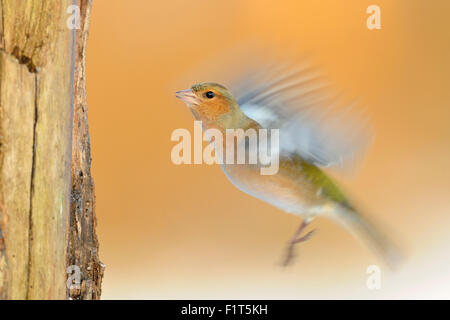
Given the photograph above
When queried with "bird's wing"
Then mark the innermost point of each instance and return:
(312, 123)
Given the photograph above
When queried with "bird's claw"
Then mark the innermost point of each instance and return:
(304, 238)
(290, 251)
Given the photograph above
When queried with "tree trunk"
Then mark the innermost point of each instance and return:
(47, 218)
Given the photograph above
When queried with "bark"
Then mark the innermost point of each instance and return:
(41, 95)
(83, 242)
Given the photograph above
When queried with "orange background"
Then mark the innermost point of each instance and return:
(170, 231)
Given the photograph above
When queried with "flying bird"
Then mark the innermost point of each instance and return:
(315, 132)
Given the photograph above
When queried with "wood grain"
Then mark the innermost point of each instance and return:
(47, 218)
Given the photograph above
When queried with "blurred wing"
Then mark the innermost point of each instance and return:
(312, 123)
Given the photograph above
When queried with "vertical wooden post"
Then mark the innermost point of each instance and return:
(39, 89)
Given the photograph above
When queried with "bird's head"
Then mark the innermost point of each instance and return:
(209, 102)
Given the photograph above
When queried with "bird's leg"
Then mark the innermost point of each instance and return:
(296, 239)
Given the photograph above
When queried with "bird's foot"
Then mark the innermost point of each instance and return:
(290, 255)
(303, 238)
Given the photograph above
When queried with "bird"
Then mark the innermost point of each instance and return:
(314, 134)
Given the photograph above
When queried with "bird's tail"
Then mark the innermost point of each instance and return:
(370, 233)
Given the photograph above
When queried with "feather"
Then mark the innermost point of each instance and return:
(313, 123)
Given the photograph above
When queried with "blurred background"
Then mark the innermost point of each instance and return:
(170, 231)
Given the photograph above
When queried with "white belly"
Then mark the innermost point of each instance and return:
(276, 190)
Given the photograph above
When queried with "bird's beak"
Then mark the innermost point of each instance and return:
(188, 96)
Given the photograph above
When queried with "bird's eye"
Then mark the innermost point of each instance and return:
(210, 94)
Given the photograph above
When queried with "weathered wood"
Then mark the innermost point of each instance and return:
(31, 30)
(17, 117)
(83, 242)
(39, 93)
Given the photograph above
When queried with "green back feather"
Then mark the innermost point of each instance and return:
(328, 188)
